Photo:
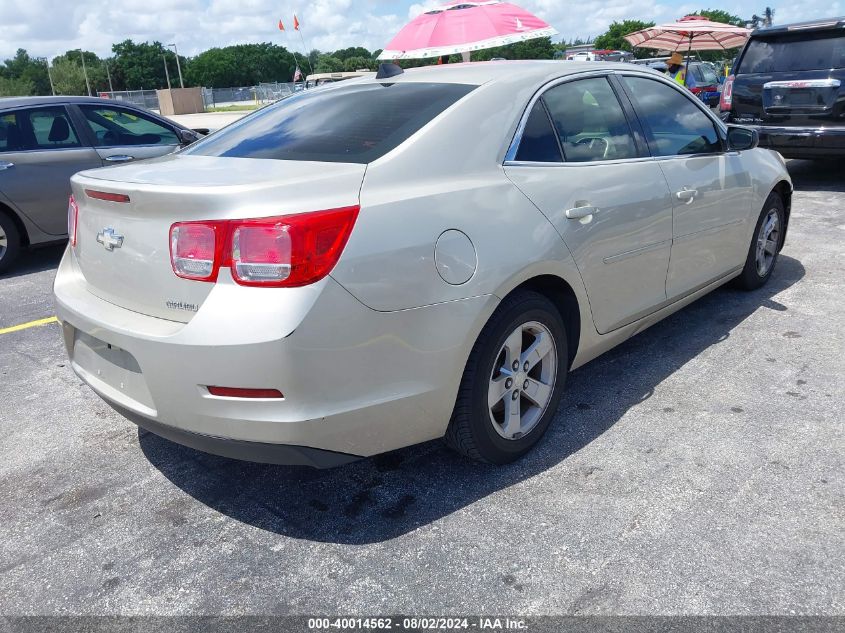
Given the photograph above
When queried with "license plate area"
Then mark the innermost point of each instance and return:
(780, 97)
(112, 371)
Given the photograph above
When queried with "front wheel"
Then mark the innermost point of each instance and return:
(513, 381)
(765, 245)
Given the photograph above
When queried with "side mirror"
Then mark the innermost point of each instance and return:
(188, 136)
(742, 138)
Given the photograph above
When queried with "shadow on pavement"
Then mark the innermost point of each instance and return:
(36, 260)
(389, 495)
(825, 175)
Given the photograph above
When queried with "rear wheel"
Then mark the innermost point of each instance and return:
(513, 381)
(765, 245)
(10, 242)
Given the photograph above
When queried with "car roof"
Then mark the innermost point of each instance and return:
(17, 102)
(478, 73)
(812, 25)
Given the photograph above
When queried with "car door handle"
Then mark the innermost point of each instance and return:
(581, 211)
(4, 164)
(119, 158)
(686, 194)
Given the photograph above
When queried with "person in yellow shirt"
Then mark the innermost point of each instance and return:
(677, 71)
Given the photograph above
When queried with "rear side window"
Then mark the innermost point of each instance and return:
(37, 128)
(589, 121)
(539, 143)
(794, 51)
(346, 124)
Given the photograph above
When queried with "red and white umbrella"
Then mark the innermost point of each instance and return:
(691, 33)
(462, 26)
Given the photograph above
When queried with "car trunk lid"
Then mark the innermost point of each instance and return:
(123, 248)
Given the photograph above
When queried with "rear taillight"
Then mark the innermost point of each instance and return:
(727, 94)
(72, 219)
(286, 251)
(196, 249)
(695, 90)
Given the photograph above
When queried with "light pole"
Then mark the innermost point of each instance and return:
(178, 67)
(85, 72)
(108, 73)
(50, 76)
(166, 72)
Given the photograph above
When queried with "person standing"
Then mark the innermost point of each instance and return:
(678, 72)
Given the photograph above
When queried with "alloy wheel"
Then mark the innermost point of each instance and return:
(522, 381)
(767, 242)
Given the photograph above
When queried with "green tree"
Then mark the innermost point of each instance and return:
(241, 65)
(351, 64)
(718, 15)
(68, 77)
(94, 67)
(328, 64)
(15, 87)
(613, 38)
(31, 70)
(540, 48)
(137, 66)
(353, 51)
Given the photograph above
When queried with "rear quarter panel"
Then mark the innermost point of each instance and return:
(449, 175)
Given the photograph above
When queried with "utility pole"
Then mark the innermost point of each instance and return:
(178, 66)
(50, 76)
(85, 72)
(166, 72)
(108, 73)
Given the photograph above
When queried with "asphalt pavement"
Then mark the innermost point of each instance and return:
(696, 469)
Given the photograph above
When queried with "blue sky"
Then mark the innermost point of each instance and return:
(50, 27)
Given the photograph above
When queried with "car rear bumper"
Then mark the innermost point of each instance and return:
(356, 382)
(261, 452)
(803, 142)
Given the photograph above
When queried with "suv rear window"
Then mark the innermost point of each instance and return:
(344, 124)
(794, 51)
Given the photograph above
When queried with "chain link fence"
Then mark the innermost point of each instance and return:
(214, 97)
(142, 98)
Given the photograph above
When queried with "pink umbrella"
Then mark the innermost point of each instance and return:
(461, 26)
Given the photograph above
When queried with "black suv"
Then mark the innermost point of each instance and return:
(788, 84)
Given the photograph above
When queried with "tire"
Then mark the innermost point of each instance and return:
(481, 431)
(10, 242)
(770, 226)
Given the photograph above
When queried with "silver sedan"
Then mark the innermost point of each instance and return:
(413, 256)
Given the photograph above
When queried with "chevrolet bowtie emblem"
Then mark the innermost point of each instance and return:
(109, 239)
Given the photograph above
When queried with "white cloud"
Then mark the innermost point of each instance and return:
(51, 27)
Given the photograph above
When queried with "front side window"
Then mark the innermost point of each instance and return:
(589, 121)
(674, 124)
(114, 127)
(355, 123)
(37, 128)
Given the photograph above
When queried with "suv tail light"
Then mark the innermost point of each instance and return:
(286, 251)
(727, 94)
(72, 219)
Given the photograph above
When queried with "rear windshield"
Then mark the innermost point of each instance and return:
(348, 124)
(794, 51)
